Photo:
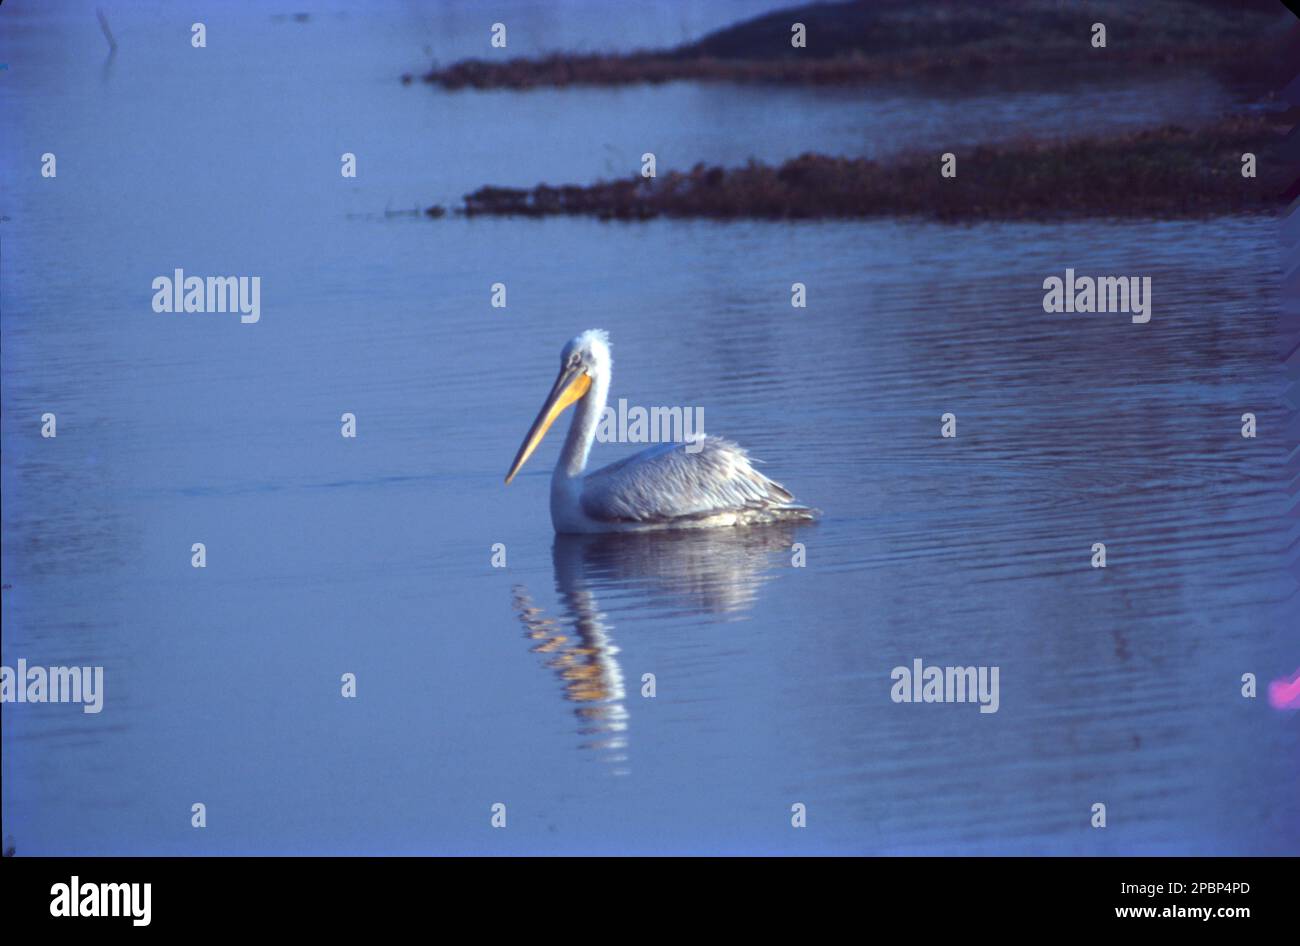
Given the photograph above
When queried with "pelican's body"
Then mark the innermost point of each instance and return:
(708, 482)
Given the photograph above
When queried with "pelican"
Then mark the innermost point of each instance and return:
(664, 487)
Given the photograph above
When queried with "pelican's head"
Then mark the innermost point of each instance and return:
(584, 359)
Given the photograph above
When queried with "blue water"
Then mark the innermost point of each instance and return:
(522, 685)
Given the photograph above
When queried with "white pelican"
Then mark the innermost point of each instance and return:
(664, 487)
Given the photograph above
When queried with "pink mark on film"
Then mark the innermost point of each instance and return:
(1285, 693)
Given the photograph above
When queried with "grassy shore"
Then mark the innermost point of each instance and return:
(859, 41)
(1166, 172)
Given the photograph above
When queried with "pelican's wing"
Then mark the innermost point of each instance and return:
(671, 482)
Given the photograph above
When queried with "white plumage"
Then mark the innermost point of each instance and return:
(709, 482)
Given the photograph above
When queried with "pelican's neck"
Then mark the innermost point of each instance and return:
(582, 431)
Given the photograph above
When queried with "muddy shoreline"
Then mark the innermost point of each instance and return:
(1167, 172)
(850, 43)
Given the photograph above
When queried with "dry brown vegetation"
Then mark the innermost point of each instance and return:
(1167, 172)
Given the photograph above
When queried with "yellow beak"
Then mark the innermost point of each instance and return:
(569, 387)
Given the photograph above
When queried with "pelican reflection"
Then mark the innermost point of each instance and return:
(715, 574)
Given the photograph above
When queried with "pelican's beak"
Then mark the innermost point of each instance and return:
(570, 386)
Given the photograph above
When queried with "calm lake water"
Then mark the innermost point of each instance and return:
(522, 685)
